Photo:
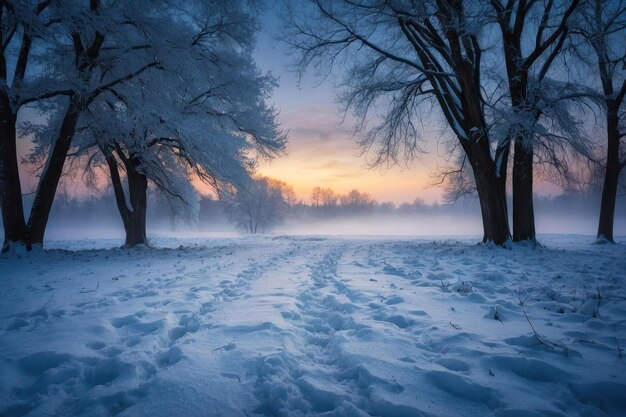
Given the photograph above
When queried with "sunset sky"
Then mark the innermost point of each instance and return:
(321, 151)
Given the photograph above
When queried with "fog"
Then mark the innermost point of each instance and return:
(387, 225)
(434, 225)
(99, 220)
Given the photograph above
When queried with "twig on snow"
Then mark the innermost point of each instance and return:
(534, 331)
(46, 304)
(496, 316)
(94, 290)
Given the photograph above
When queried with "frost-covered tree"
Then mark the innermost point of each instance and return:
(75, 37)
(169, 66)
(202, 113)
(602, 26)
(398, 56)
(22, 24)
(260, 205)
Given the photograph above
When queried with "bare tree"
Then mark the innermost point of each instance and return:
(329, 198)
(357, 202)
(260, 205)
(603, 27)
(403, 54)
(544, 25)
(316, 197)
(325, 200)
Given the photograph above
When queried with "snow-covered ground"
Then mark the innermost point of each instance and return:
(291, 326)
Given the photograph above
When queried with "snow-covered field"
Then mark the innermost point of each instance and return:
(291, 326)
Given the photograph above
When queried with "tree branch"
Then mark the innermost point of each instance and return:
(540, 47)
(127, 77)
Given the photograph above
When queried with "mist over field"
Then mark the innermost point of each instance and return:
(94, 220)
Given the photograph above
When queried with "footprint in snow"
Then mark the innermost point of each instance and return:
(186, 324)
(169, 357)
(462, 388)
(398, 320)
(95, 345)
(394, 301)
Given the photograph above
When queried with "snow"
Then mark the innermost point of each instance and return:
(314, 325)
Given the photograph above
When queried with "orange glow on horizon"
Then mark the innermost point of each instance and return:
(321, 153)
(345, 174)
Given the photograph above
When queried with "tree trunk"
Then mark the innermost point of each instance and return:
(463, 109)
(133, 217)
(492, 200)
(611, 177)
(51, 175)
(502, 165)
(491, 192)
(523, 208)
(517, 74)
(10, 186)
(138, 192)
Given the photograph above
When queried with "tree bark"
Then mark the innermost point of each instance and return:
(133, 217)
(523, 207)
(10, 186)
(51, 175)
(517, 74)
(138, 192)
(489, 182)
(491, 195)
(611, 176)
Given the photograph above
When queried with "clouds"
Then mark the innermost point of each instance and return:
(322, 152)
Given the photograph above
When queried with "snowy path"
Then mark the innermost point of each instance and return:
(290, 326)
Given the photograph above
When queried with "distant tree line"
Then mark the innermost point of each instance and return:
(267, 204)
